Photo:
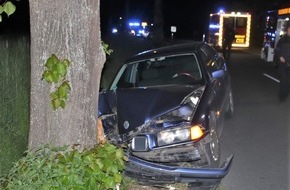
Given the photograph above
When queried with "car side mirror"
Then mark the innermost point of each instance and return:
(218, 74)
(219, 62)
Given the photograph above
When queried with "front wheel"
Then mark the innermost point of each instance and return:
(212, 149)
(213, 146)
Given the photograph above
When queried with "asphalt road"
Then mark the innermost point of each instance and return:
(258, 134)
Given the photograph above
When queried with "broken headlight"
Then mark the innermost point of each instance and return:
(184, 113)
(186, 110)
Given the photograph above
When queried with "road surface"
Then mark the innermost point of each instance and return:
(258, 134)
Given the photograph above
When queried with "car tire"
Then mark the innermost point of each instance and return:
(230, 107)
(213, 146)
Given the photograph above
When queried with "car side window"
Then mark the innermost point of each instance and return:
(210, 58)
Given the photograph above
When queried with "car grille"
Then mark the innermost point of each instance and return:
(140, 143)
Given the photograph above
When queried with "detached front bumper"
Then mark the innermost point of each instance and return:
(150, 172)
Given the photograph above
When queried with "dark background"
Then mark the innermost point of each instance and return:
(189, 16)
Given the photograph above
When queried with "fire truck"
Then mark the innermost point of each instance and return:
(275, 27)
(240, 21)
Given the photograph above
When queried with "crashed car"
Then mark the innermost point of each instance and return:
(166, 107)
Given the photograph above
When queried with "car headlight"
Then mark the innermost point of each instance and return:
(178, 135)
(185, 111)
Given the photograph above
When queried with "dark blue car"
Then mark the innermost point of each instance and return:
(166, 108)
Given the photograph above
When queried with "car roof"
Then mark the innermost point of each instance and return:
(188, 47)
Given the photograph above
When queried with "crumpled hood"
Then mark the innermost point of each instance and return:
(136, 106)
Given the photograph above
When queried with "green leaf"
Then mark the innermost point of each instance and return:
(55, 76)
(66, 62)
(51, 61)
(113, 168)
(53, 95)
(62, 103)
(9, 8)
(121, 163)
(109, 148)
(66, 85)
(0, 18)
(109, 183)
(61, 69)
(100, 163)
(119, 153)
(62, 92)
(106, 48)
(126, 158)
(55, 103)
(118, 178)
(47, 76)
(1, 9)
(65, 180)
(88, 158)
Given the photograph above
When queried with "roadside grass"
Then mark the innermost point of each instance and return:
(14, 99)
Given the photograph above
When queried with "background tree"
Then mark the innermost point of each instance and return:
(158, 33)
(69, 29)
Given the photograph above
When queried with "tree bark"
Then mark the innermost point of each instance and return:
(70, 29)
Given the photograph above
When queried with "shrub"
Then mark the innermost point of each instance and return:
(99, 168)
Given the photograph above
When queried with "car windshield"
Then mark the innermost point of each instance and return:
(165, 70)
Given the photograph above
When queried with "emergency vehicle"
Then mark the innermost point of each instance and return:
(275, 28)
(241, 22)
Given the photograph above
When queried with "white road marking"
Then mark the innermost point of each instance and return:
(272, 78)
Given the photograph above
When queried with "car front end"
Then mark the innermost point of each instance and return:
(160, 109)
(170, 146)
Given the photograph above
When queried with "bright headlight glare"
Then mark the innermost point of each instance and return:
(173, 136)
(182, 135)
(165, 137)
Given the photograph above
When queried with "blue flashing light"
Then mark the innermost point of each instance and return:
(214, 26)
(221, 11)
(114, 30)
(134, 24)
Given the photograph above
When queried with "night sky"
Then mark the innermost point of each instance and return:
(190, 16)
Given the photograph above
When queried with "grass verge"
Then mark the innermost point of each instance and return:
(14, 99)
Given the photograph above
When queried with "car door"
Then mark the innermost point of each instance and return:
(216, 69)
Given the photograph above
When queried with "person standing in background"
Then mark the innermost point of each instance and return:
(282, 54)
(228, 38)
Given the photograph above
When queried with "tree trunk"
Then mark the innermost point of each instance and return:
(69, 29)
(158, 33)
